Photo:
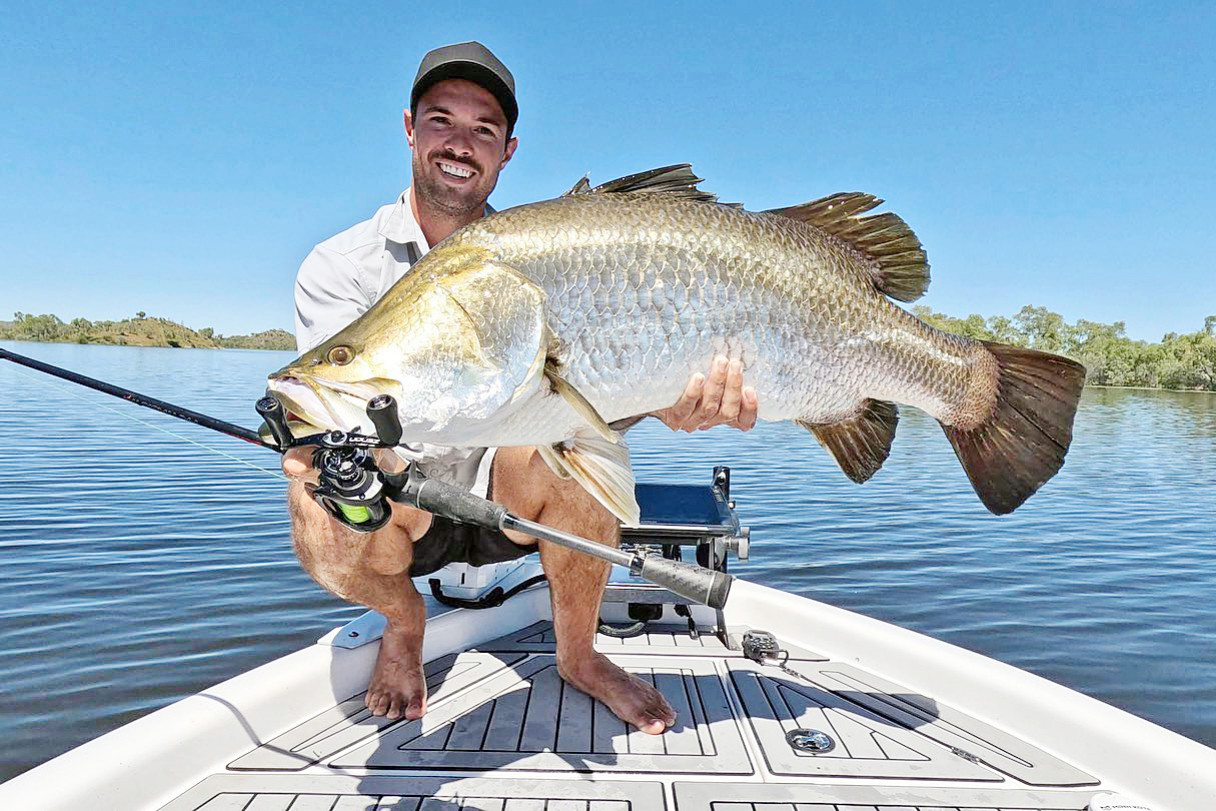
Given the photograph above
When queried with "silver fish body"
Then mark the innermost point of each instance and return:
(541, 324)
(648, 291)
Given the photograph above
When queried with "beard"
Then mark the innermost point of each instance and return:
(458, 203)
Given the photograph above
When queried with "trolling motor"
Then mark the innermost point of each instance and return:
(354, 490)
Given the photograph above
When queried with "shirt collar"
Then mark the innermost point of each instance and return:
(400, 225)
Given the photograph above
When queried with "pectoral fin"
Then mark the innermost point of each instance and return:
(602, 467)
(553, 460)
(579, 403)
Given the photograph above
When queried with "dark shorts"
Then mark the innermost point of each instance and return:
(450, 542)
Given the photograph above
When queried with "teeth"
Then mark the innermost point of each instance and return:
(454, 170)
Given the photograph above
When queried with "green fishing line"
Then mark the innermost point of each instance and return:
(356, 513)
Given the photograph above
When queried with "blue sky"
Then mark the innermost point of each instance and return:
(183, 158)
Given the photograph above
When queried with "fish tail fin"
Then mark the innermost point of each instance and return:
(1023, 442)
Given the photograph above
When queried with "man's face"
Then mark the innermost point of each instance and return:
(459, 140)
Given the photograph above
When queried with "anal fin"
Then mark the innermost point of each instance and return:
(862, 443)
(603, 469)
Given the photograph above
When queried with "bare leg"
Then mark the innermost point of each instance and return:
(525, 485)
(372, 569)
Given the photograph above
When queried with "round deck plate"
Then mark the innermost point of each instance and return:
(811, 741)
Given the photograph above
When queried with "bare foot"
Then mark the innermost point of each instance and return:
(630, 699)
(398, 686)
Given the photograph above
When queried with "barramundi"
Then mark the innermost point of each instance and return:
(545, 324)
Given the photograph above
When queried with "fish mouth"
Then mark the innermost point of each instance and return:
(329, 405)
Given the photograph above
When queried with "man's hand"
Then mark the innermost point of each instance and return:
(297, 463)
(720, 399)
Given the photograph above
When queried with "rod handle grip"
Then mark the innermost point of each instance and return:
(694, 582)
(452, 502)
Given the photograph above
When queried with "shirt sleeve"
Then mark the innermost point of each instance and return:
(329, 295)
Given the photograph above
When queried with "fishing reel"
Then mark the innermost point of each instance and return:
(351, 487)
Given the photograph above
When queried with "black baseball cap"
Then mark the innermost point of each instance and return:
(472, 61)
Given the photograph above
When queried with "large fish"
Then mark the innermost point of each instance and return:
(543, 324)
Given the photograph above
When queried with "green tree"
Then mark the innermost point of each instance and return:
(1042, 329)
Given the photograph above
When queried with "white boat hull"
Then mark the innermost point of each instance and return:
(917, 723)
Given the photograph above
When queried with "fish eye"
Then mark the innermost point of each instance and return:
(340, 355)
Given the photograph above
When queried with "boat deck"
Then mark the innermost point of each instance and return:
(503, 732)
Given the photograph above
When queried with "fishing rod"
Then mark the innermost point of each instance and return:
(355, 491)
(139, 399)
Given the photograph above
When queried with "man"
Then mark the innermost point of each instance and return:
(460, 128)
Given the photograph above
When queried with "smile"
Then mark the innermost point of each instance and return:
(454, 170)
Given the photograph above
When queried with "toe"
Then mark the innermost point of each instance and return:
(652, 727)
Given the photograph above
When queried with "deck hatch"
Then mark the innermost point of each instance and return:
(229, 792)
(883, 730)
(867, 745)
(708, 796)
(349, 722)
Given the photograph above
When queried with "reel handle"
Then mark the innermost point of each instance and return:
(382, 410)
(275, 417)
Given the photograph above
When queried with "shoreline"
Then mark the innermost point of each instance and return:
(292, 349)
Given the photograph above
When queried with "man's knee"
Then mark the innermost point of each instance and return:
(518, 480)
(523, 483)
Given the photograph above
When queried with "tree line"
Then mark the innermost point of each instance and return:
(1177, 361)
(138, 331)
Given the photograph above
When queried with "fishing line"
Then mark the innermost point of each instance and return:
(100, 404)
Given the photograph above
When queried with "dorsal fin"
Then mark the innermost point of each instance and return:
(902, 270)
(583, 186)
(676, 181)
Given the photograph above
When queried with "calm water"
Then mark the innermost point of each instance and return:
(139, 567)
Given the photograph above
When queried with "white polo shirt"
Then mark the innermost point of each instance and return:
(343, 277)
